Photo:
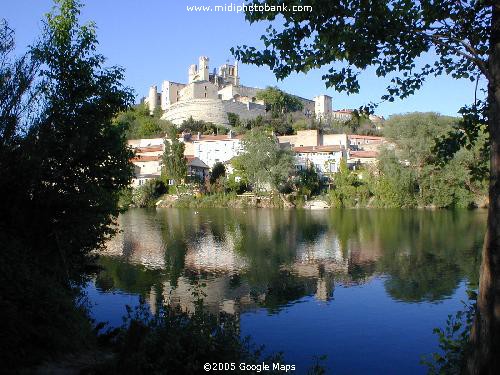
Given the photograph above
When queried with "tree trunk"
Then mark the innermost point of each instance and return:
(485, 333)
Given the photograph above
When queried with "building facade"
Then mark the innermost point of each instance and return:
(210, 96)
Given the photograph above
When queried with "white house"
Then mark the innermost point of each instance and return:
(212, 149)
(325, 159)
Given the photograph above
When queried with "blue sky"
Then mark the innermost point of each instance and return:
(156, 40)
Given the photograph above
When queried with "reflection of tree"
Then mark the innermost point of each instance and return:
(131, 278)
(422, 278)
(291, 254)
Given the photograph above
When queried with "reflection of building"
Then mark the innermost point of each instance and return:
(222, 257)
(139, 240)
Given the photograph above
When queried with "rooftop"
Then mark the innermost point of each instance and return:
(144, 158)
(193, 161)
(313, 149)
(371, 137)
(363, 154)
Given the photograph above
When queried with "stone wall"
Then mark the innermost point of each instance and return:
(247, 111)
(209, 110)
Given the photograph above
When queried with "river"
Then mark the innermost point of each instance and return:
(366, 288)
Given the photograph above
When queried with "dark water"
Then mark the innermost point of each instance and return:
(364, 287)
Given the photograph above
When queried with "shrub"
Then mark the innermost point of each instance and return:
(147, 194)
(175, 341)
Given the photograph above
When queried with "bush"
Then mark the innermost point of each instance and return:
(175, 341)
(307, 182)
(147, 194)
(454, 343)
(126, 198)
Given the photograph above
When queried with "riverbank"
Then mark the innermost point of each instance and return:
(228, 200)
(248, 200)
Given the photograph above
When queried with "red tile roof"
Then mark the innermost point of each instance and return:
(139, 150)
(312, 149)
(142, 158)
(363, 154)
(222, 137)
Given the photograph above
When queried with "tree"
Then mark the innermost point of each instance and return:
(218, 170)
(264, 164)
(81, 159)
(464, 40)
(307, 181)
(138, 123)
(199, 126)
(415, 135)
(66, 164)
(279, 102)
(174, 162)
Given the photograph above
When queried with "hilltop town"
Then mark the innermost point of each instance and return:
(211, 96)
(311, 149)
(218, 100)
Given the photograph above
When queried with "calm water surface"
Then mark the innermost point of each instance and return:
(364, 287)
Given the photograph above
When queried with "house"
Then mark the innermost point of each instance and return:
(325, 159)
(147, 159)
(358, 158)
(146, 167)
(211, 149)
(314, 137)
(365, 142)
(196, 168)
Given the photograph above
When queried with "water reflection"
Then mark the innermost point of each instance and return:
(273, 258)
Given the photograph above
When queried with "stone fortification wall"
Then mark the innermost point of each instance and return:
(209, 110)
(246, 111)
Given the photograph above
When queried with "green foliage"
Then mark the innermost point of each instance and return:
(147, 195)
(138, 123)
(307, 182)
(396, 183)
(239, 186)
(415, 135)
(126, 198)
(199, 126)
(263, 164)
(233, 119)
(279, 102)
(454, 343)
(415, 161)
(218, 171)
(345, 184)
(409, 174)
(217, 199)
(174, 162)
(175, 341)
(66, 168)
